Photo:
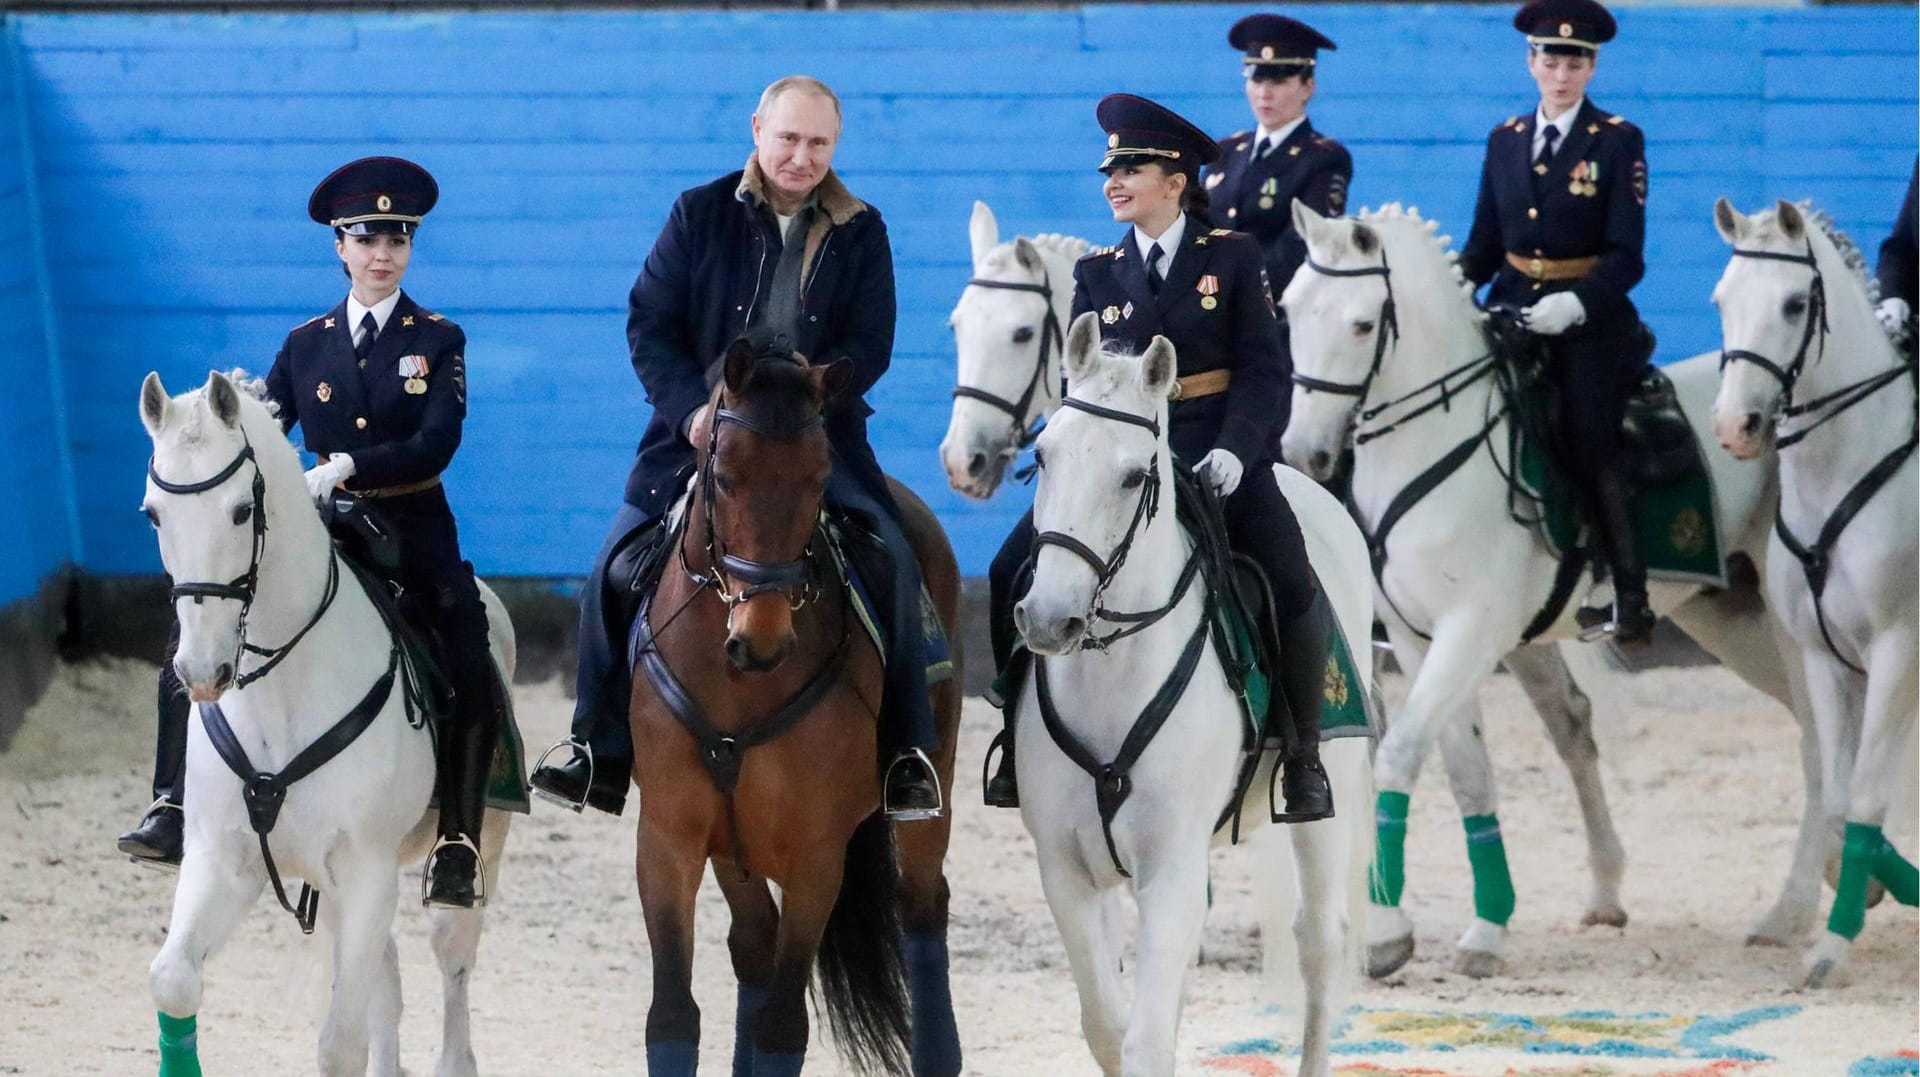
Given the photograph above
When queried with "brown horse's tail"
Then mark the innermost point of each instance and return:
(861, 975)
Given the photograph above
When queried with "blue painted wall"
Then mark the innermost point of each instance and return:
(35, 538)
(175, 155)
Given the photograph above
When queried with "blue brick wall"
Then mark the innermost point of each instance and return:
(175, 154)
(35, 537)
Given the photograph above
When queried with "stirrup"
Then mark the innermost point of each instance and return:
(909, 815)
(162, 802)
(479, 872)
(580, 748)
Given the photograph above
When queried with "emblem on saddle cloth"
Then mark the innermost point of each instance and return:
(1688, 531)
(1337, 691)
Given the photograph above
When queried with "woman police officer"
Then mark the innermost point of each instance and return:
(1558, 229)
(1206, 290)
(378, 387)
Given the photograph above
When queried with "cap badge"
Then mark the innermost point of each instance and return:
(324, 392)
(1266, 52)
(1113, 140)
(1566, 29)
(383, 203)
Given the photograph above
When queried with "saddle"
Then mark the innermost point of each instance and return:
(1656, 441)
(370, 549)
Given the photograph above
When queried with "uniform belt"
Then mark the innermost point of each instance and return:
(400, 490)
(1553, 268)
(1205, 383)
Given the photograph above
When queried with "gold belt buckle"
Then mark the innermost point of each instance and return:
(1536, 269)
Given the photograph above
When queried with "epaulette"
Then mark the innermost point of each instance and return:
(1237, 138)
(1099, 252)
(1511, 123)
(306, 323)
(1616, 120)
(433, 317)
(1221, 232)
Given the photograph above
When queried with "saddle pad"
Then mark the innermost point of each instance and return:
(1343, 705)
(933, 635)
(1674, 523)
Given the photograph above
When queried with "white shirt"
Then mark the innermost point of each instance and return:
(1564, 122)
(1169, 241)
(1277, 137)
(381, 312)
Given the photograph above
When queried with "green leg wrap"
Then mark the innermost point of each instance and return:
(1850, 893)
(179, 1047)
(1389, 877)
(1492, 885)
(1895, 872)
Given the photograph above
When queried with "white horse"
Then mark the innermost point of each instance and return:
(1451, 620)
(1809, 372)
(1129, 738)
(1007, 329)
(225, 494)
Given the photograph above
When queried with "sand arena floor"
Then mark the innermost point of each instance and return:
(1701, 771)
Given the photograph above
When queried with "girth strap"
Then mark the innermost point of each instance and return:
(1113, 782)
(1815, 558)
(265, 793)
(723, 753)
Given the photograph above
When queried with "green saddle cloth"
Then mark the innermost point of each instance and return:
(1673, 511)
(1343, 703)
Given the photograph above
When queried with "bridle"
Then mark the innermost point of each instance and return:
(725, 569)
(1051, 338)
(1106, 568)
(1789, 374)
(244, 588)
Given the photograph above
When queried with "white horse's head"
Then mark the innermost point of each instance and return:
(1103, 462)
(1363, 281)
(1777, 299)
(217, 452)
(1007, 335)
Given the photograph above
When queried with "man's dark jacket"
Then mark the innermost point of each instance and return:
(709, 271)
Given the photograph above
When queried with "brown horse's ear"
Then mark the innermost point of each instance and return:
(834, 379)
(737, 367)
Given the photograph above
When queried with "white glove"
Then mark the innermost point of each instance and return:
(1222, 470)
(323, 478)
(1893, 312)
(1555, 314)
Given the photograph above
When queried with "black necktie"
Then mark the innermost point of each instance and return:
(1154, 279)
(1549, 135)
(368, 330)
(1266, 146)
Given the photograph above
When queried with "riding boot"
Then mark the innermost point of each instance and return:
(598, 767)
(455, 871)
(159, 838)
(1001, 787)
(1632, 616)
(910, 785)
(1300, 683)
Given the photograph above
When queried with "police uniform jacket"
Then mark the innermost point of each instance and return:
(1306, 165)
(1591, 203)
(1237, 331)
(395, 437)
(699, 290)
(1899, 275)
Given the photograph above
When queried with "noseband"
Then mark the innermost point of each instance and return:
(1816, 319)
(723, 568)
(1050, 339)
(244, 588)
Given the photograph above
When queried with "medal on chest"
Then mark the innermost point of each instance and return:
(414, 369)
(1209, 289)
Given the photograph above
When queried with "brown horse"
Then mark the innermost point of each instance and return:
(754, 707)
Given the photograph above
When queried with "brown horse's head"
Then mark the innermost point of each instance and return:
(763, 459)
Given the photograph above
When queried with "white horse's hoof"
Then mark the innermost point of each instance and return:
(1825, 965)
(1605, 916)
(1386, 958)
(1477, 964)
(1784, 925)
